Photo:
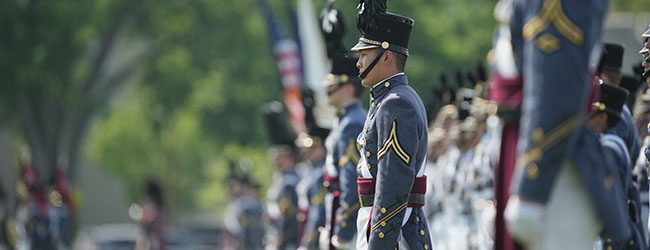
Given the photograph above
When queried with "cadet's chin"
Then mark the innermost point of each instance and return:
(366, 83)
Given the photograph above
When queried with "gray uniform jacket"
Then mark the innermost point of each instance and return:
(555, 42)
(393, 151)
(344, 157)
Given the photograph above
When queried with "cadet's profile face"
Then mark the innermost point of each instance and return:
(334, 94)
(366, 57)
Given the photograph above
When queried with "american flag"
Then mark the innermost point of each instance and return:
(287, 55)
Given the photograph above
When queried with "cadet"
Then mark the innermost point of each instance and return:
(563, 189)
(394, 138)
(313, 192)
(283, 198)
(343, 91)
(609, 71)
(608, 112)
(152, 234)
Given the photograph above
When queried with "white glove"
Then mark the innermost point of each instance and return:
(524, 220)
(323, 239)
(341, 244)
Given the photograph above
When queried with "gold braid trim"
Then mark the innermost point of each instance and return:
(346, 213)
(554, 136)
(552, 12)
(393, 142)
(351, 153)
(389, 216)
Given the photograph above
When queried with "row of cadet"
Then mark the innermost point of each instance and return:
(43, 216)
(311, 194)
(576, 175)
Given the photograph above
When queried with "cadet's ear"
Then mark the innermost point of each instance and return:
(386, 57)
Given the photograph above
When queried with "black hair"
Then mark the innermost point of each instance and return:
(400, 61)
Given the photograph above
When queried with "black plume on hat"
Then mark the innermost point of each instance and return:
(277, 126)
(481, 72)
(460, 79)
(473, 79)
(332, 24)
(309, 103)
(368, 9)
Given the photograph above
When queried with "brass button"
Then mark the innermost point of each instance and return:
(344, 224)
(369, 166)
(422, 232)
(382, 223)
(417, 218)
(368, 153)
(426, 246)
(387, 84)
(533, 171)
(381, 235)
(610, 248)
(631, 242)
(383, 210)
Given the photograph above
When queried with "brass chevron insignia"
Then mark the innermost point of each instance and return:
(552, 12)
(393, 142)
(350, 154)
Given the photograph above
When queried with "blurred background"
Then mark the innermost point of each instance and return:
(112, 93)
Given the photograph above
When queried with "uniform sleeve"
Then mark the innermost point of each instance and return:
(288, 223)
(634, 140)
(316, 214)
(346, 214)
(398, 140)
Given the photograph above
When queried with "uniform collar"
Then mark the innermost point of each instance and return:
(384, 85)
(354, 104)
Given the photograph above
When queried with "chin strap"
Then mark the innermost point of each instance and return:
(372, 65)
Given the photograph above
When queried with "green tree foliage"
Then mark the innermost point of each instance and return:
(60, 65)
(634, 6)
(198, 72)
(197, 103)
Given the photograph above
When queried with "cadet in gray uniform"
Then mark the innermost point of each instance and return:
(394, 138)
(343, 91)
(283, 199)
(313, 148)
(609, 71)
(608, 112)
(563, 189)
